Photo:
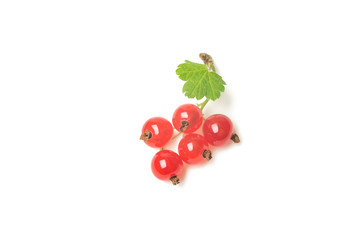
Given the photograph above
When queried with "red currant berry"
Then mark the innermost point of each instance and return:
(187, 118)
(194, 149)
(167, 165)
(218, 129)
(157, 132)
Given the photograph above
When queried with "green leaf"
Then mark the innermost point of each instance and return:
(200, 82)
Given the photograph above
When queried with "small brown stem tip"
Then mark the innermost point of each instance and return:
(235, 138)
(206, 58)
(146, 136)
(175, 180)
(207, 154)
(184, 126)
(208, 61)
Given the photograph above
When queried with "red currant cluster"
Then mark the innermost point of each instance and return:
(193, 148)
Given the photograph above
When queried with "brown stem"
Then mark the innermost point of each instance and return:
(209, 62)
(175, 136)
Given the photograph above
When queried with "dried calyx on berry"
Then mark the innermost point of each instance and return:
(235, 138)
(145, 136)
(207, 155)
(184, 126)
(175, 180)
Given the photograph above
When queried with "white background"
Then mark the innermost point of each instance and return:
(79, 78)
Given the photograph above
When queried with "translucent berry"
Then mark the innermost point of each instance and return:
(187, 118)
(167, 165)
(157, 132)
(193, 149)
(218, 130)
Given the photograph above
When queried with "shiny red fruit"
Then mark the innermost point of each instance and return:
(193, 149)
(187, 118)
(167, 165)
(217, 129)
(157, 132)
